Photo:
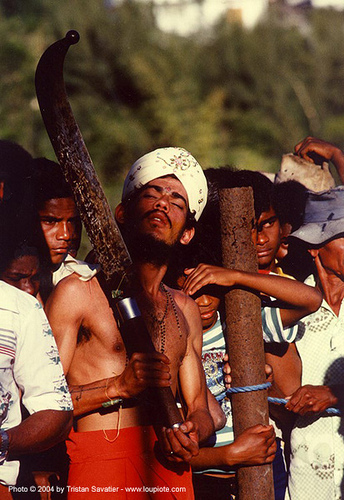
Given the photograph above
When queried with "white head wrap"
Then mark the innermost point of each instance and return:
(170, 161)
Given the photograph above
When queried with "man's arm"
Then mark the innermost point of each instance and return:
(216, 412)
(192, 377)
(39, 431)
(198, 425)
(43, 387)
(255, 446)
(64, 310)
(287, 368)
(286, 365)
(142, 371)
(300, 299)
(328, 151)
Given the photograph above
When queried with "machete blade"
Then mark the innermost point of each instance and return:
(75, 160)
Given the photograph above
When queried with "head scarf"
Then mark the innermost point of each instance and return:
(170, 161)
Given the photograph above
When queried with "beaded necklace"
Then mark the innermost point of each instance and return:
(161, 322)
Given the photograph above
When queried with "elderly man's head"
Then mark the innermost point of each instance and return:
(164, 193)
(322, 230)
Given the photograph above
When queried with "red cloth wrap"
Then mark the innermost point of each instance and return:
(133, 461)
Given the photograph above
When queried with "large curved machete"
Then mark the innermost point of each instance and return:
(94, 209)
(75, 161)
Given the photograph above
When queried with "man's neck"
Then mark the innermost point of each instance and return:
(150, 276)
(332, 288)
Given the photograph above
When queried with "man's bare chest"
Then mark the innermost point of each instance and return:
(99, 332)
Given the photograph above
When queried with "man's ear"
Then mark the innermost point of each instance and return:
(187, 236)
(314, 252)
(119, 213)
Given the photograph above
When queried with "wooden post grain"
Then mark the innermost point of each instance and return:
(244, 334)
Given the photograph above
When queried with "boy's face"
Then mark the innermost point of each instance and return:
(269, 239)
(61, 227)
(208, 305)
(23, 273)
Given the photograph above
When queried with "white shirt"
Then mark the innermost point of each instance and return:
(70, 265)
(317, 445)
(29, 363)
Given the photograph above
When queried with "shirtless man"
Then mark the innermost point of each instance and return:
(164, 192)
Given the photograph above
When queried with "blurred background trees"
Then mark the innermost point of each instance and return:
(230, 95)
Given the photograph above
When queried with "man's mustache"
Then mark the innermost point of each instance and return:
(161, 215)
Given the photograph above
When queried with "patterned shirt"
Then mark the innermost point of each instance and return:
(317, 445)
(213, 351)
(29, 365)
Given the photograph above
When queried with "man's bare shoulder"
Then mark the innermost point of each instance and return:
(74, 292)
(192, 317)
(185, 303)
(73, 283)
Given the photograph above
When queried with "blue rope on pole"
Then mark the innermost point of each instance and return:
(261, 387)
(249, 388)
(330, 411)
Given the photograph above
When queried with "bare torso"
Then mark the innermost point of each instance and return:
(99, 352)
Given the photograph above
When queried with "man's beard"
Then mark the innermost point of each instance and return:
(146, 248)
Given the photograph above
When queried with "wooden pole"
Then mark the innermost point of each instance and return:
(244, 334)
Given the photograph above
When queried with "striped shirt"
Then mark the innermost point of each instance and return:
(213, 351)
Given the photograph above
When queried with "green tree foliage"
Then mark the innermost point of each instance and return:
(231, 95)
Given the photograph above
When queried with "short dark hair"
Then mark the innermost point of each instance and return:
(49, 182)
(206, 244)
(15, 162)
(289, 200)
(16, 214)
(24, 249)
(10, 251)
(229, 177)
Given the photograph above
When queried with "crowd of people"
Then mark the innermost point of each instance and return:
(79, 411)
